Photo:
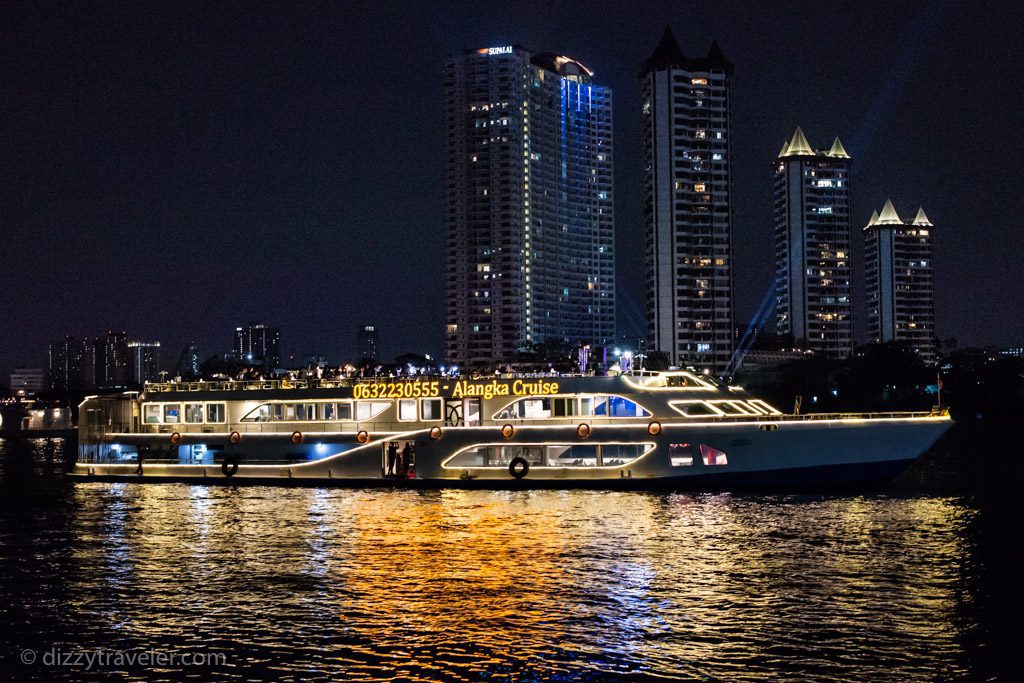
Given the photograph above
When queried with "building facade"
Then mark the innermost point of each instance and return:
(143, 362)
(529, 208)
(27, 381)
(812, 247)
(187, 366)
(112, 360)
(258, 344)
(687, 205)
(72, 364)
(898, 279)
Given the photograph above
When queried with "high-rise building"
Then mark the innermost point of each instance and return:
(812, 247)
(188, 362)
(687, 188)
(368, 342)
(258, 344)
(530, 244)
(112, 360)
(144, 362)
(898, 278)
(71, 364)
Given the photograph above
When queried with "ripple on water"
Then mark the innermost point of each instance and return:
(477, 585)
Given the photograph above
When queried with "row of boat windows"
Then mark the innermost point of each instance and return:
(193, 413)
(698, 408)
(583, 455)
(432, 409)
(571, 406)
(334, 411)
(549, 455)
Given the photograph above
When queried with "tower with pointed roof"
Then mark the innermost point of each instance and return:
(529, 204)
(687, 205)
(812, 246)
(898, 280)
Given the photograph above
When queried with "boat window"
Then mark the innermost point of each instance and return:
(193, 413)
(216, 413)
(527, 408)
(730, 408)
(328, 411)
(758, 403)
(695, 408)
(751, 408)
(407, 409)
(577, 455)
(586, 405)
(618, 406)
(614, 455)
(712, 456)
(258, 414)
(680, 454)
(345, 410)
(564, 407)
(430, 409)
(151, 411)
(305, 411)
(367, 410)
(171, 413)
(497, 455)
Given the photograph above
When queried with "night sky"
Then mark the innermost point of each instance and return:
(176, 172)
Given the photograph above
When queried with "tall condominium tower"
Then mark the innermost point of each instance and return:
(258, 344)
(144, 362)
(812, 246)
(368, 342)
(112, 360)
(72, 364)
(898, 269)
(530, 257)
(687, 206)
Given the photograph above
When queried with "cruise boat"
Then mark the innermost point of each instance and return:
(644, 430)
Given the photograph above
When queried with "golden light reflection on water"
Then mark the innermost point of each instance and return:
(473, 584)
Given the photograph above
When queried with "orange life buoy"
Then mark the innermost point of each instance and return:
(436, 433)
(508, 431)
(296, 438)
(234, 438)
(363, 436)
(175, 439)
(654, 428)
(583, 431)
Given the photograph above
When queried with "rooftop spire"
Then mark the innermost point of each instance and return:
(921, 219)
(785, 148)
(838, 150)
(798, 146)
(873, 221)
(668, 53)
(717, 60)
(889, 215)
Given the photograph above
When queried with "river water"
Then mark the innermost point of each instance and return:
(915, 580)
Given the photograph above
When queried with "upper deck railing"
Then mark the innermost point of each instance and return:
(339, 382)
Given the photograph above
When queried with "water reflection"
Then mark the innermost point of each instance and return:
(474, 584)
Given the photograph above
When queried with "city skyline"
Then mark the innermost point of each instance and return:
(285, 192)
